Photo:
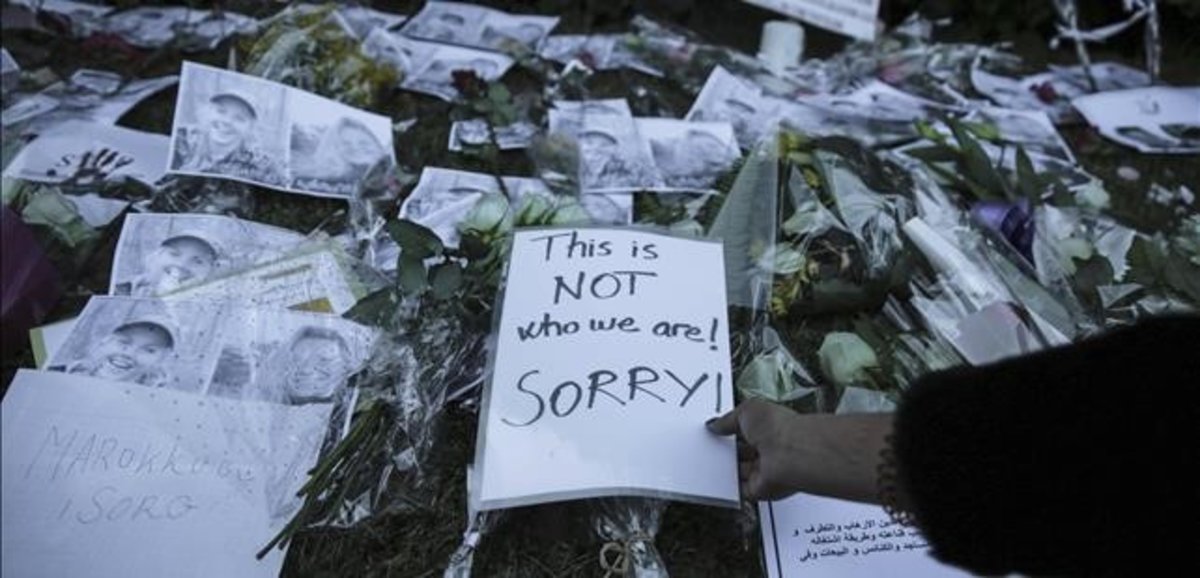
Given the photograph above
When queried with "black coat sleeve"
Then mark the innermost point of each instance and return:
(1080, 460)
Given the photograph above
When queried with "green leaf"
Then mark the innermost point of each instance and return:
(1028, 182)
(498, 93)
(415, 240)
(978, 166)
(445, 279)
(927, 131)
(934, 154)
(983, 130)
(411, 275)
(376, 309)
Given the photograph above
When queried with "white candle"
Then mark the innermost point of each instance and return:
(782, 44)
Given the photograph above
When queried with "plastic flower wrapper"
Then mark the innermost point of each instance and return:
(317, 51)
(776, 375)
(478, 524)
(187, 194)
(628, 527)
(969, 304)
(1081, 250)
(838, 248)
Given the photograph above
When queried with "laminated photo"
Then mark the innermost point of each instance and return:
(160, 253)
(444, 197)
(1031, 129)
(362, 20)
(235, 126)
(428, 67)
(613, 156)
(690, 155)
(85, 153)
(476, 133)
(477, 26)
(728, 98)
(89, 95)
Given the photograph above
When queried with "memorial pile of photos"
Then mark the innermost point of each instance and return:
(262, 253)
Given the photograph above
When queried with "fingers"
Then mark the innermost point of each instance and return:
(725, 425)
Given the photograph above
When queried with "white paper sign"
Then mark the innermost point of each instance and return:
(85, 153)
(854, 18)
(109, 479)
(613, 350)
(807, 535)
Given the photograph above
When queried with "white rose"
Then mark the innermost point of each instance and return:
(845, 358)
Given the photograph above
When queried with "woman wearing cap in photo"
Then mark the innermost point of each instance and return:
(179, 260)
(347, 150)
(134, 352)
(223, 143)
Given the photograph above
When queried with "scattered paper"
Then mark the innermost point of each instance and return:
(444, 197)
(854, 18)
(429, 67)
(314, 278)
(612, 155)
(158, 26)
(60, 155)
(1151, 120)
(1051, 92)
(159, 253)
(105, 480)
(475, 133)
(90, 95)
(690, 156)
(240, 127)
(95, 210)
(727, 98)
(807, 535)
(47, 339)
(477, 26)
(215, 348)
(597, 51)
(627, 420)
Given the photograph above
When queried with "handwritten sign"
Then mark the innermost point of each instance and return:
(612, 351)
(102, 478)
(807, 535)
(854, 18)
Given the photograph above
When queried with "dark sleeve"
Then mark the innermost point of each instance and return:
(1080, 460)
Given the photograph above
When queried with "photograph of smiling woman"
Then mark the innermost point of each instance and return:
(345, 151)
(230, 125)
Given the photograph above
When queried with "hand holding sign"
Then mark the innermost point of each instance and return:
(612, 352)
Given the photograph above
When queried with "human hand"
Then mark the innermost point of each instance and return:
(766, 447)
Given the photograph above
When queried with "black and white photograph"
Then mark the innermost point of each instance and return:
(362, 20)
(109, 153)
(690, 155)
(157, 26)
(230, 125)
(597, 51)
(160, 253)
(289, 357)
(144, 342)
(477, 26)
(401, 53)
(436, 76)
(334, 145)
(728, 98)
(80, 11)
(612, 155)
(88, 95)
(501, 31)
(444, 197)
(476, 133)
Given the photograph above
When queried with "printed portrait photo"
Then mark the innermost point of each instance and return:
(729, 99)
(142, 341)
(501, 30)
(230, 125)
(334, 146)
(690, 155)
(401, 53)
(436, 77)
(160, 253)
(448, 22)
